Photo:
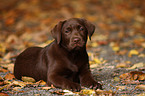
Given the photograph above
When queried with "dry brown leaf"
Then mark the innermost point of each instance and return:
(125, 76)
(3, 70)
(3, 94)
(41, 82)
(133, 75)
(28, 79)
(122, 52)
(141, 77)
(9, 76)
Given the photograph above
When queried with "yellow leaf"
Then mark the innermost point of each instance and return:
(116, 48)
(104, 93)
(116, 79)
(133, 52)
(138, 65)
(1, 88)
(141, 77)
(94, 44)
(87, 91)
(28, 79)
(20, 83)
(41, 82)
(121, 65)
(97, 60)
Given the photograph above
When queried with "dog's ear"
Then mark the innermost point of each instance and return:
(90, 27)
(56, 31)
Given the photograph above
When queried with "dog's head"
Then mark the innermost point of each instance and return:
(73, 33)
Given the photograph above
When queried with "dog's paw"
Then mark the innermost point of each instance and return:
(72, 86)
(93, 85)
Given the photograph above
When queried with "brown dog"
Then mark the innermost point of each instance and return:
(64, 63)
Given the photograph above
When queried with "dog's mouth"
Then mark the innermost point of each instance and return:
(77, 46)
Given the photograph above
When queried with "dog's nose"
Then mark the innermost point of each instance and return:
(76, 40)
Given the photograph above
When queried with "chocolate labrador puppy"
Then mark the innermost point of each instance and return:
(63, 63)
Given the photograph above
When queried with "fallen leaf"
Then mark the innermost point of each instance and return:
(17, 88)
(20, 83)
(46, 88)
(125, 76)
(3, 94)
(87, 91)
(116, 79)
(68, 93)
(94, 44)
(141, 87)
(10, 67)
(141, 55)
(9, 76)
(133, 52)
(98, 61)
(28, 79)
(5, 86)
(106, 93)
(122, 52)
(116, 48)
(120, 87)
(3, 70)
(137, 65)
(121, 65)
(133, 75)
(1, 78)
(41, 82)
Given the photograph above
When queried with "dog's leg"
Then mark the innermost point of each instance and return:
(87, 80)
(62, 82)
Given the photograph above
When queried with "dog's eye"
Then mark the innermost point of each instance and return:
(67, 31)
(81, 29)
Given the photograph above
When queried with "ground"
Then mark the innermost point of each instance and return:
(116, 51)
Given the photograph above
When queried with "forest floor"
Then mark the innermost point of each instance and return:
(116, 51)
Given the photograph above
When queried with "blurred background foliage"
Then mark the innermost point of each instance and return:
(24, 23)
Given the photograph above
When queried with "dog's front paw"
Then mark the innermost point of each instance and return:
(93, 85)
(71, 86)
